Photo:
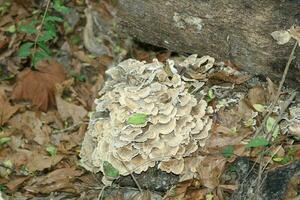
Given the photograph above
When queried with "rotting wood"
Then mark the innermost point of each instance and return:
(239, 30)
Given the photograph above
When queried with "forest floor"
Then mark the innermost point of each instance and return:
(52, 63)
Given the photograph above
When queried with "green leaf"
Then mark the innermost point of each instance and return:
(8, 164)
(51, 150)
(209, 197)
(109, 170)
(211, 94)
(24, 49)
(270, 123)
(228, 151)
(75, 39)
(257, 142)
(53, 19)
(50, 27)
(4, 140)
(259, 107)
(233, 130)
(137, 118)
(39, 55)
(277, 159)
(11, 29)
(43, 46)
(4, 7)
(60, 8)
(2, 187)
(46, 36)
(68, 28)
(276, 132)
(29, 28)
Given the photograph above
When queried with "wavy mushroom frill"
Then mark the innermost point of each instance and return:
(176, 123)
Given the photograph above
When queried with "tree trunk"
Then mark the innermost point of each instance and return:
(239, 31)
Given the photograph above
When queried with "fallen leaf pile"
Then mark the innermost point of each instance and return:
(6, 109)
(39, 85)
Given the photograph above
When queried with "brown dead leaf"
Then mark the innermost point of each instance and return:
(221, 136)
(5, 20)
(190, 189)
(4, 41)
(69, 141)
(210, 169)
(257, 95)
(39, 85)
(66, 109)
(272, 90)
(58, 180)
(295, 33)
(226, 77)
(35, 159)
(40, 162)
(163, 56)
(142, 55)
(15, 183)
(6, 110)
(33, 128)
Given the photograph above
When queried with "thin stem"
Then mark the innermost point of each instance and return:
(41, 27)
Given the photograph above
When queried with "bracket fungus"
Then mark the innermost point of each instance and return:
(146, 116)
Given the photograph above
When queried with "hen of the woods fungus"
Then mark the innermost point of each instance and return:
(148, 114)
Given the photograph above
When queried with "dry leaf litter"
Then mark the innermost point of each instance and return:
(177, 123)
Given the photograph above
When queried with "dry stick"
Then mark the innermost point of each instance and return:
(278, 91)
(269, 136)
(69, 129)
(134, 179)
(280, 117)
(291, 57)
(101, 193)
(41, 26)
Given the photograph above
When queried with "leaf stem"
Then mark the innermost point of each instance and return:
(40, 28)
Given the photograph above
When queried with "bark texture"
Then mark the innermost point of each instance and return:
(227, 30)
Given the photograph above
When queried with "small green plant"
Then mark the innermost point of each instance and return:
(257, 142)
(4, 7)
(210, 95)
(228, 151)
(4, 140)
(51, 150)
(44, 29)
(2, 187)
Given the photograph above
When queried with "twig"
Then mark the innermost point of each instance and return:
(68, 129)
(101, 193)
(291, 57)
(134, 179)
(131, 174)
(280, 117)
(41, 27)
(270, 111)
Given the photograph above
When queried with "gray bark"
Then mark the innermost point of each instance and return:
(236, 30)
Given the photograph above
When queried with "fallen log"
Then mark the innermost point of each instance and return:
(239, 31)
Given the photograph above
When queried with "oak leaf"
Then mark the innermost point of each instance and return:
(39, 85)
(6, 110)
(58, 180)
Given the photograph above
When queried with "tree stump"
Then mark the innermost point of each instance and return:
(239, 31)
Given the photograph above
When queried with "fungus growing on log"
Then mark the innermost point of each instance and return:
(146, 116)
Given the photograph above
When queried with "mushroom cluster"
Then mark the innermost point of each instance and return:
(146, 116)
